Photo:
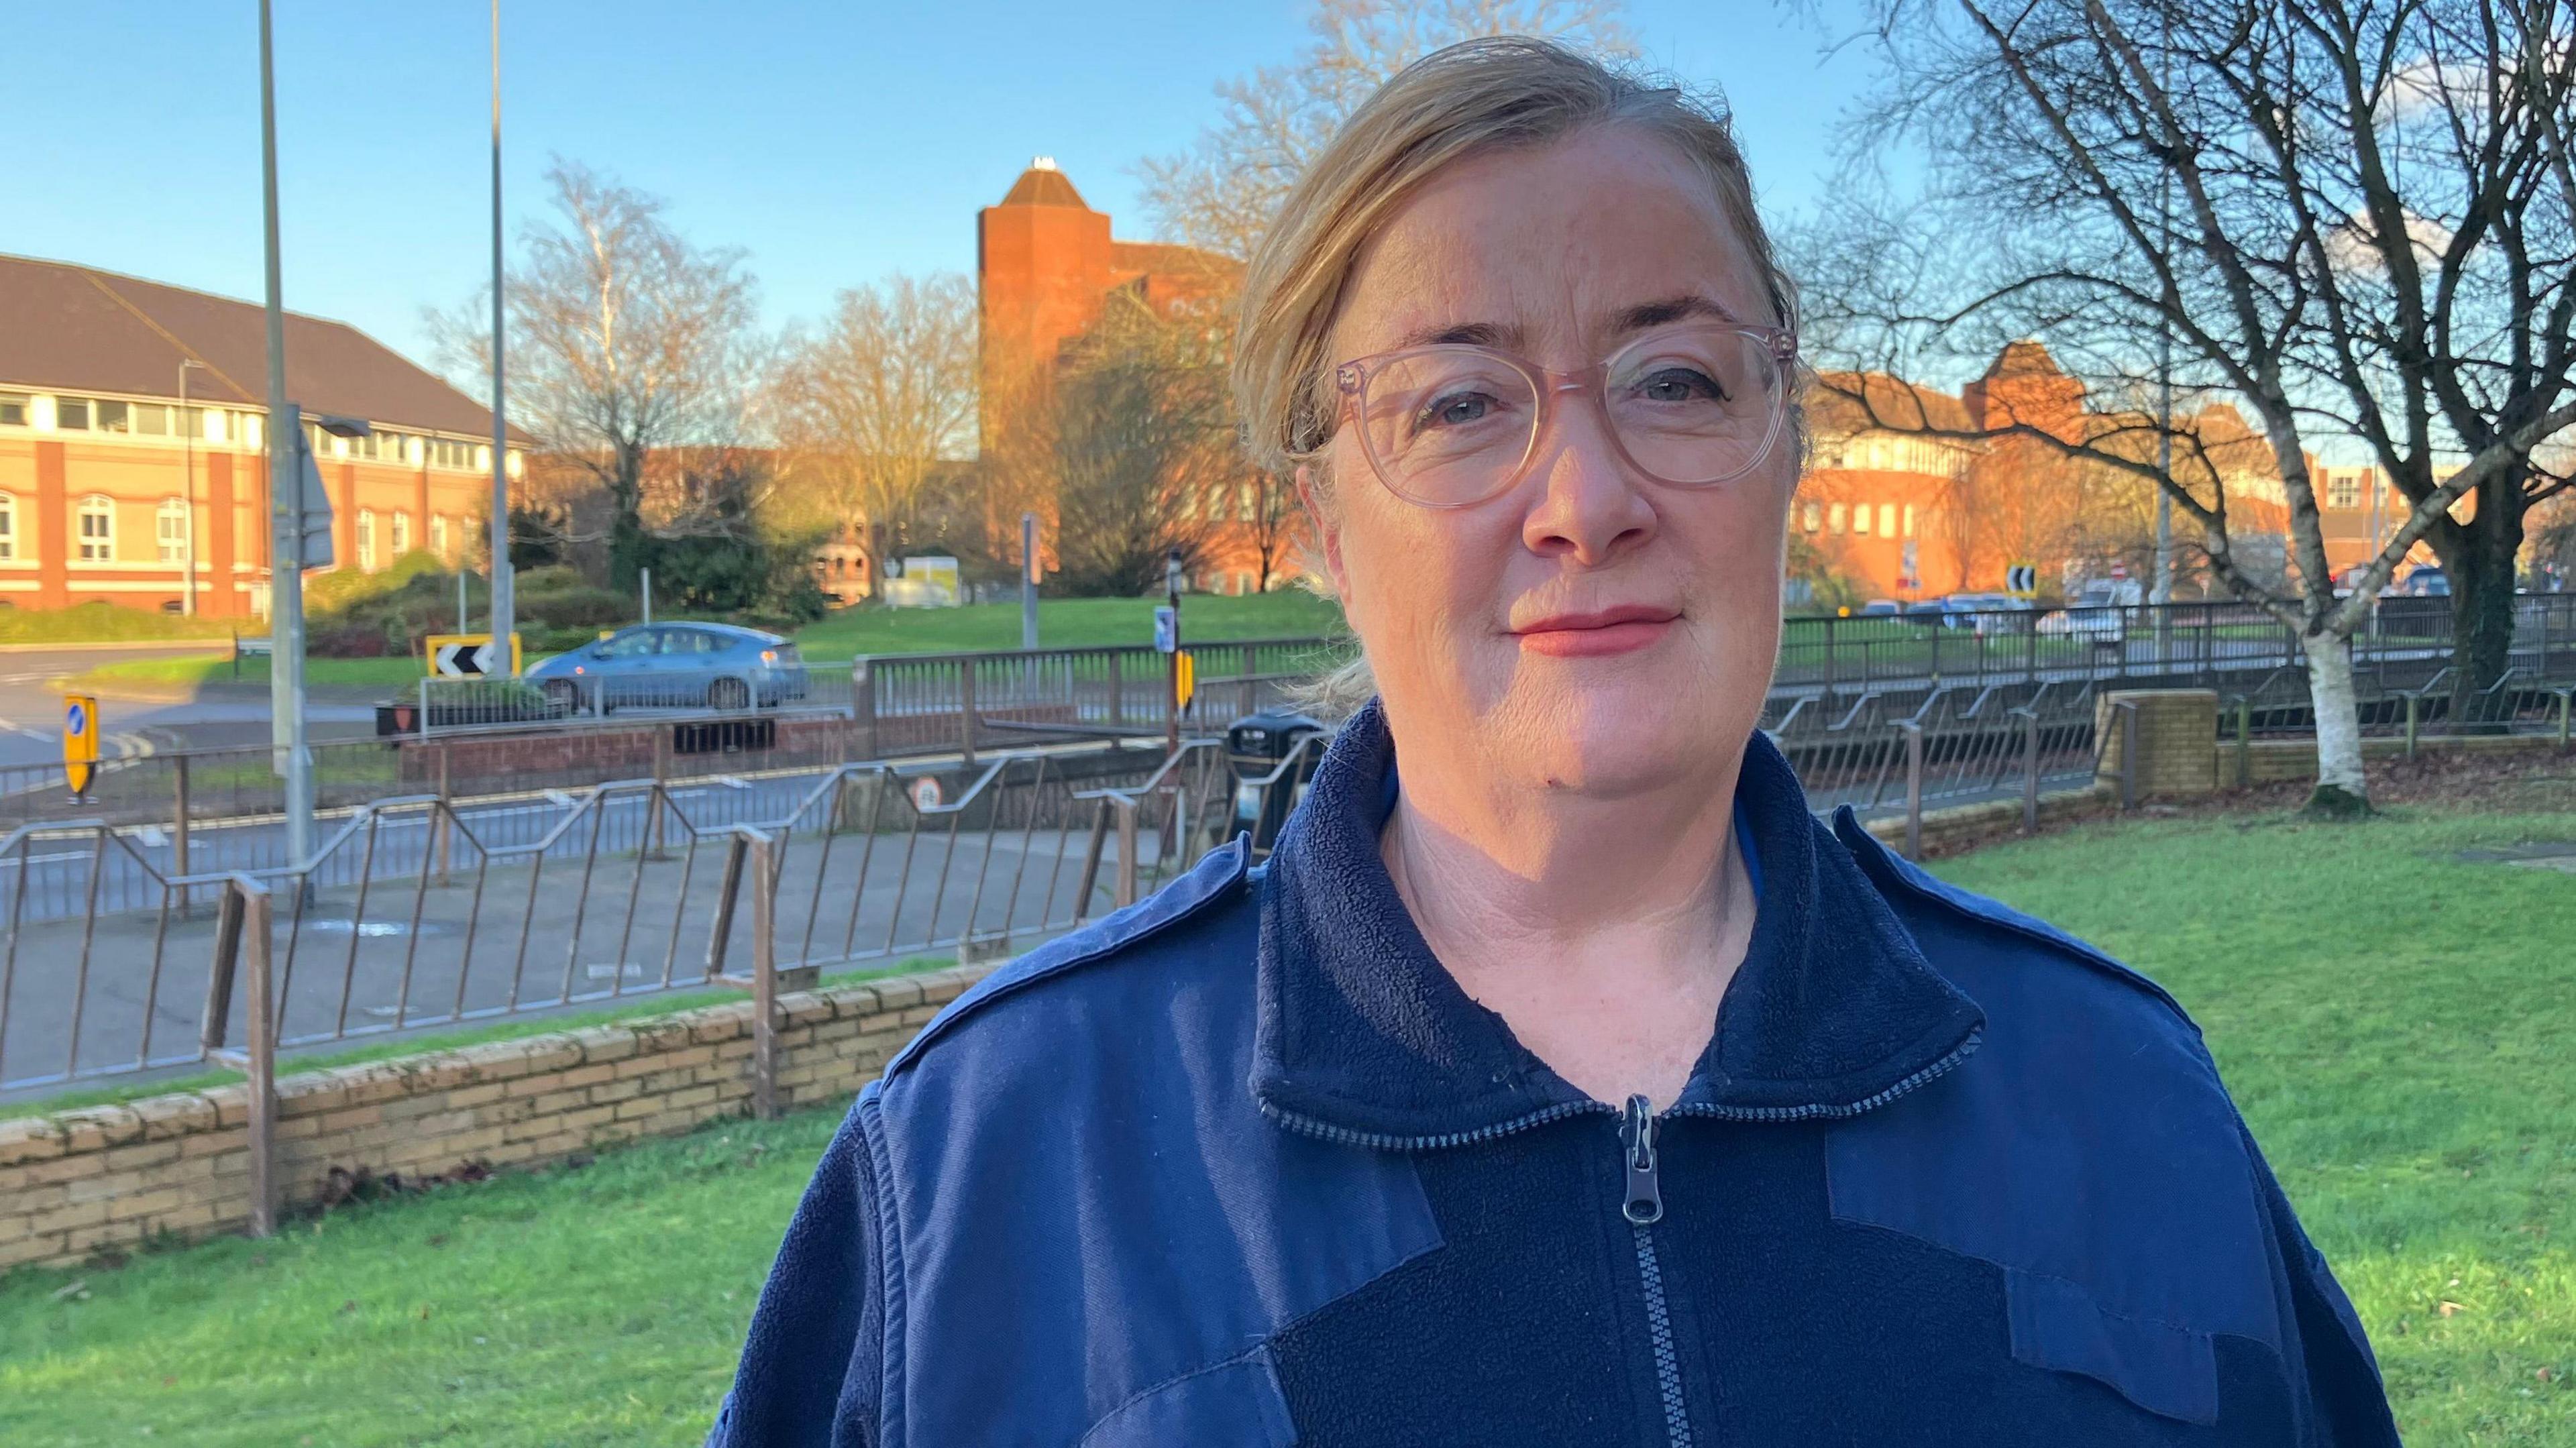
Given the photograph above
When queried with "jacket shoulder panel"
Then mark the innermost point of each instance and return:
(1214, 879)
(1890, 868)
(2089, 1150)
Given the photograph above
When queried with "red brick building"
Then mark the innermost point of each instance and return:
(132, 417)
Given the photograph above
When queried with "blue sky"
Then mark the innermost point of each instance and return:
(835, 143)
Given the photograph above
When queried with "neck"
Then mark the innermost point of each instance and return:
(1603, 930)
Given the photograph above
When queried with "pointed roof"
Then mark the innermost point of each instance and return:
(1043, 185)
(78, 329)
(2025, 358)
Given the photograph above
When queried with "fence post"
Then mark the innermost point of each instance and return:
(1913, 788)
(1125, 894)
(2029, 771)
(966, 709)
(179, 829)
(439, 821)
(260, 1041)
(863, 705)
(2127, 709)
(764, 979)
(2566, 701)
(2414, 702)
(728, 889)
(2244, 743)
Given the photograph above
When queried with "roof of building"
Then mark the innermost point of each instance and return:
(78, 329)
(2024, 358)
(1043, 185)
(1843, 403)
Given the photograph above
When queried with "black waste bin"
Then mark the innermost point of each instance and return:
(1264, 792)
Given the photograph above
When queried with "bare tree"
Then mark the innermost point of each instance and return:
(1220, 194)
(2354, 219)
(1143, 449)
(871, 410)
(625, 338)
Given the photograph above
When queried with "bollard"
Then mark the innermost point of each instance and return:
(2244, 744)
(2413, 702)
(2566, 699)
(1913, 788)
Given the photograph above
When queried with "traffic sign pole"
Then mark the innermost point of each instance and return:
(286, 504)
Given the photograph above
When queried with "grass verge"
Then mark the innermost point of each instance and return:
(2392, 1020)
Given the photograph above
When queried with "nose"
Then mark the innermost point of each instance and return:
(1590, 505)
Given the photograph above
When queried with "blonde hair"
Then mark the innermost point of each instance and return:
(1481, 96)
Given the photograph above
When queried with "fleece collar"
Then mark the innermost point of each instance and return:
(1363, 1034)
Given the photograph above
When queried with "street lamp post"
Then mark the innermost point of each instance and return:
(286, 506)
(188, 439)
(504, 603)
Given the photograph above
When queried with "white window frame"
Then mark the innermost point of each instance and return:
(103, 507)
(438, 537)
(1834, 519)
(401, 533)
(170, 545)
(366, 540)
(1887, 520)
(8, 526)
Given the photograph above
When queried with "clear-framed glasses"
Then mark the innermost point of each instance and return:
(1452, 425)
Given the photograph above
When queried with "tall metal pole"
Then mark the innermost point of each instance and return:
(286, 505)
(1028, 580)
(504, 607)
(2161, 589)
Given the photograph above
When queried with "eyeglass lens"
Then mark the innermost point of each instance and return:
(1452, 425)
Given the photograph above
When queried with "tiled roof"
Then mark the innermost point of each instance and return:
(78, 329)
(1042, 186)
(1843, 403)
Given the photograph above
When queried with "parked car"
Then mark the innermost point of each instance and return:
(716, 666)
(1880, 608)
(2099, 611)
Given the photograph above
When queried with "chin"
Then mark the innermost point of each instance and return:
(1613, 739)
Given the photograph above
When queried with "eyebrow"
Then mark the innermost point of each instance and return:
(1671, 309)
(1508, 336)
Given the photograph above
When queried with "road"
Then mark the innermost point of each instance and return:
(31, 704)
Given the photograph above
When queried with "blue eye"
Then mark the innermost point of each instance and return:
(1457, 410)
(1679, 384)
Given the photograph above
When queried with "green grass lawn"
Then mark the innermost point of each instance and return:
(1066, 623)
(93, 623)
(1062, 623)
(2395, 1025)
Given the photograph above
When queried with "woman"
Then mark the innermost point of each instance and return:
(1560, 1079)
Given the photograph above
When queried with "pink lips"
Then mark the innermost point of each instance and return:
(1598, 634)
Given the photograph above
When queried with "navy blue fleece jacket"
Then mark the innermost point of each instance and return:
(1242, 1165)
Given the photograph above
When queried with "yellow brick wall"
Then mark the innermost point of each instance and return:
(113, 1176)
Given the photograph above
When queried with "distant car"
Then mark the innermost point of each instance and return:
(2426, 582)
(1985, 613)
(675, 666)
(2098, 611)
(1880, 608)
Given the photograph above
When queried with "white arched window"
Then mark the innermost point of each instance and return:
(402, 534)
(8, 525)
(366, 541)
(95, 528)
(170, 530)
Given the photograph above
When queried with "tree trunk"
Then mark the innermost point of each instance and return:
(2481, 570)
(2341, 789)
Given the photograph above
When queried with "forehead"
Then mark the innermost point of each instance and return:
(1548, 246)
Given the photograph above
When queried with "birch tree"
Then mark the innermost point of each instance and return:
(2354, 220)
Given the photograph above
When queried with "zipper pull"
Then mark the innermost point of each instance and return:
(1645, 1204)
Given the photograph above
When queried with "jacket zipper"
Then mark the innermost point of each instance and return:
(1643, 1208)
(1643, 1205)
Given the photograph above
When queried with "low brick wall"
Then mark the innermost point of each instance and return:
(2173, 724)
(1966, 826)
(2277, 761)
(179, 1164)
